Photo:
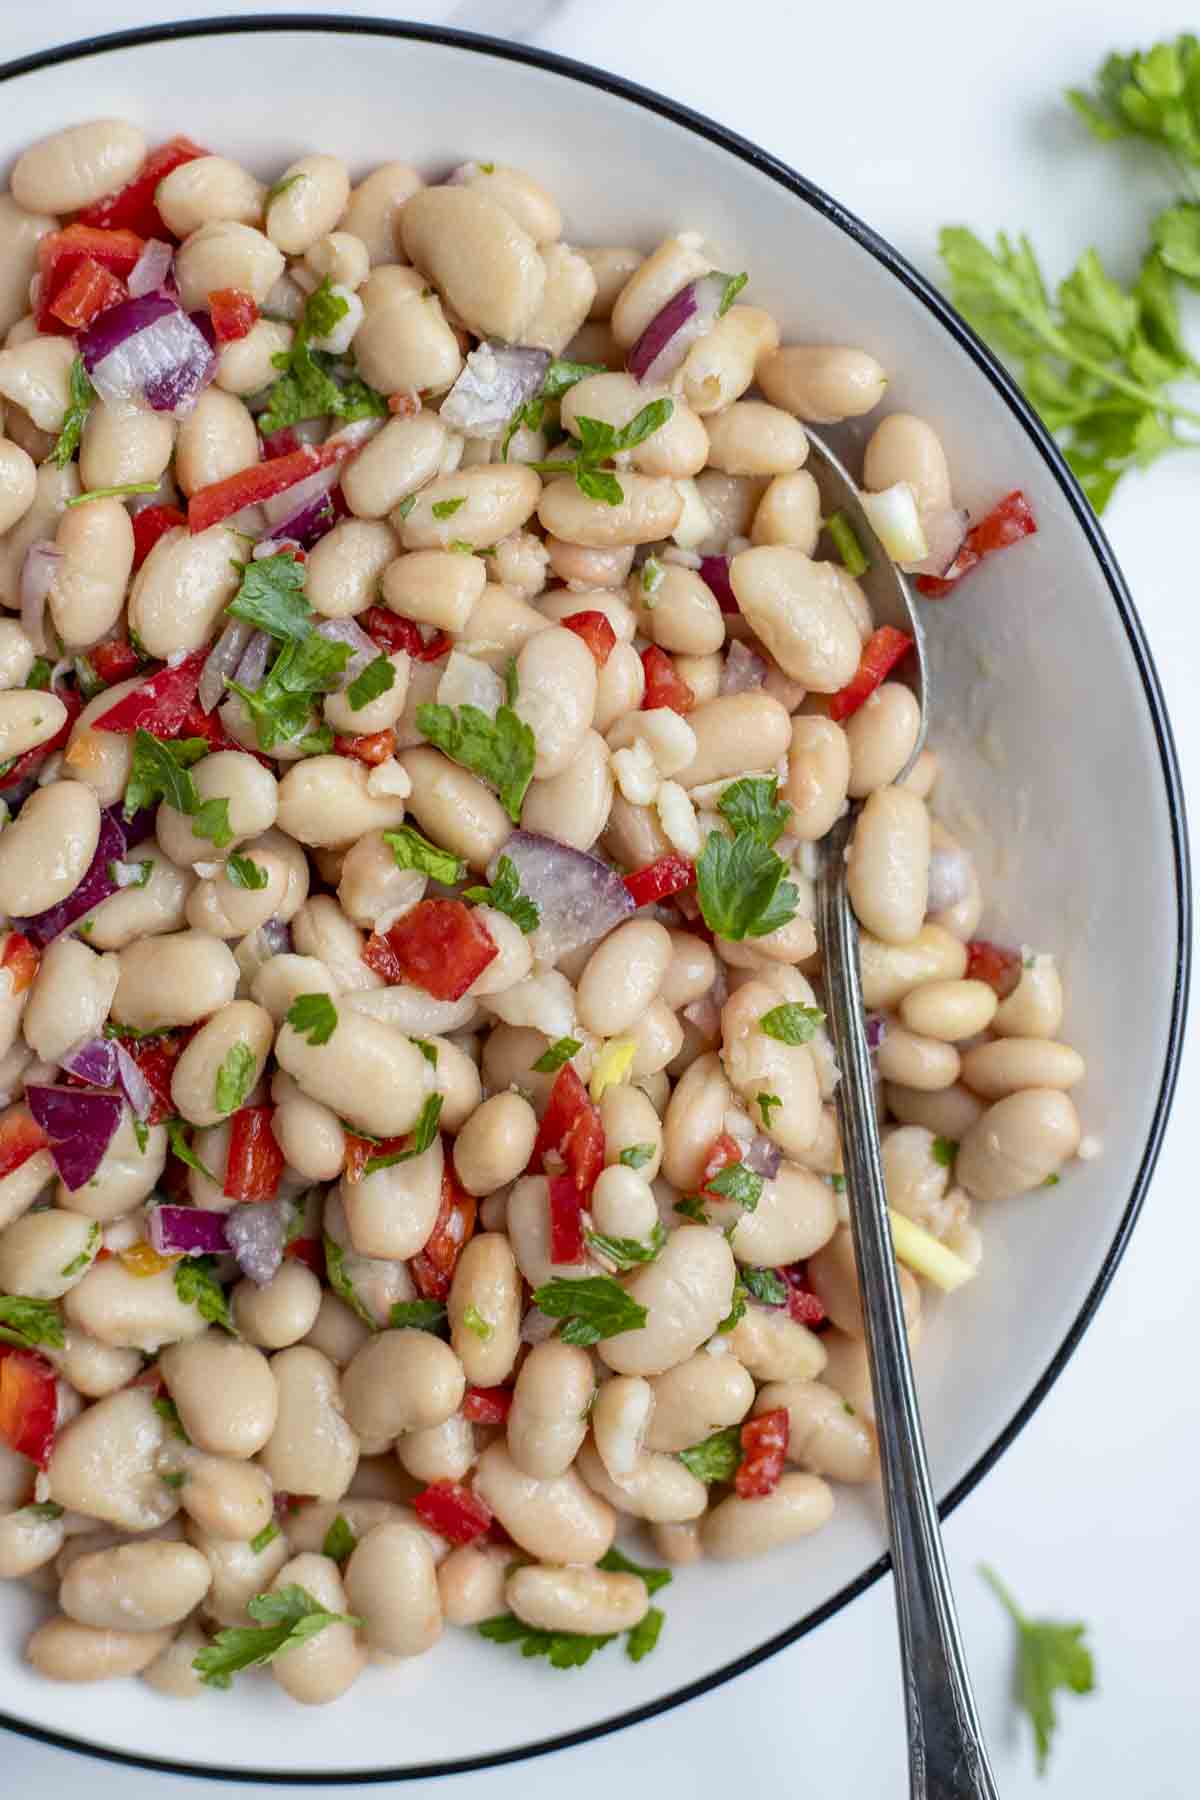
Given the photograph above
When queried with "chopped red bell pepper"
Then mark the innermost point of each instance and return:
(441, 946)
(309, 1251)
(255, 1161)
(389, 632)
(133, 206)
(149, 525)
(234, 313)
(360, 1150)
(596, 632)
(262, 481)
(664, 686)
(566, 1220)
(115, 661)
(281, 443)
(370, 747)
(432, 1268)
(30, 761)
(91, 290)
(20, 959)
(487, 1406)
(20, 1138)
(658, 880)
(725, 1152)
(764, 1447)
(993, 963)
(805, 1306)
(198, 723)
(406, 404)
(28, 1404)
(61, 254)
(1008, 522)
(161, 704)
(880, 654)
(156, 1058)
(453, 1511)
(571, 1128)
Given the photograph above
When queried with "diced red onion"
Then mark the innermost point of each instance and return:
(309, 523)
(299, 495)
(744, 670)
(362, 649)
(687, 316)
(253, 665)
(136, 1088)
(949, 879)
(37, 576)
(537, 1326)
(93, 1060)
(80, 1124)
(579, 897)
(496, 382)
(147, 350)
(278, 936)
(256, 1234)
(945, 527)
(96, 885)
(191, 1229)
(714, 573)
(137, 829)
(763, 1156)
(876, 1030)
(223, 660)
(151, 269)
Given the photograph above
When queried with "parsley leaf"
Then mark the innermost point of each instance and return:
(559, 376)
(44, 1509)
(737, 1307)
(1050, 1655)
(244, 872)
(475, 1323)
(716, 1458)
(181, 1147)
(81, 397)
(615, 1562)
(559, 1053)
(141, 1132)
(562, 1649)
(261, 1539)
(282, 706)
(741, 888)
(235, 1077)
(379, 677)
(39, 674)
(446, 509)
(751, 806)
(197, 1286)
(792, 1023)
(641, 1640)
(627, 1253)
(766, 1285)
(340, 1541)
(210, 819)
(1153, 94)
(26, 1322)
(314, 1016)
(593, 1306)
(501, 751)
(114, 493)
(692, 1208)
(340, 1282)
(944, 1151)
(412, 851)
(737, 1182)
(424, 1132)
(78, 1263)
(505, 896)
(169, 1413)
(599, 442)
(733, 287)
(271, 597)
(428, 1051)
(286, 1618)
(313, 384)
(418, 1315)
(765, 1103)
(636, 1156)
(160, 772)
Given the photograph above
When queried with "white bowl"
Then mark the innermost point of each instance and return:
(1048, 708)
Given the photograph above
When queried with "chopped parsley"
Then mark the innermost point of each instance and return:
(737, 1307)
(314, 384)
(197, 1286)
(599, 442)
(424, 1132)
(314, 1016)
(340, 1282)
(736, 1182)
(446, 509)
(281, 708)
(505, 896)
(114, 493)
(169, 1413)
(741, 888)
(244, 872)
(559, 376)
(636, 1156)
(1050, 1655)
(552, 1060)
(340, 1542)
(475, 1323)
(765, 1102)
(692, 1208)
(593, 1307)
(944, 1151)
(418, 1315)
(271, 597)
(752, 807)
(378, 678)
(766, 1285)
(428, 1051)
(792, 1023)
(716, 1458)
(733, 287)
(235, 1077)
(177, 1137)
(79, 1263)
(160, 772)
(286, 1619)
(572, 1649)
(26, 1322)
(261, 1539)
(853, 557)
(501, 751)
(80, 400)
(628, 1253)
(412, 851)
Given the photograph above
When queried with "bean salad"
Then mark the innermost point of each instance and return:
(426, 675)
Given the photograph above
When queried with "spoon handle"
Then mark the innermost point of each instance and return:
(947, 1756)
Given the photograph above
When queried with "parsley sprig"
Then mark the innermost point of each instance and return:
(28, 1322)
(196, 1285)
(505, 896)
(573, 1649)
(412, 851)
(80, 399)
(599, 442)
(1050, 1655)
(286, 1619)
(559, 376)
(592, 1306)
(314, 384)
(740, 880)
(501, 751)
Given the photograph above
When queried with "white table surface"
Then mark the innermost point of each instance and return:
(914, 115)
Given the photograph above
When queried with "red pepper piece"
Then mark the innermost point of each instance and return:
(309, 1251)
(370, 747)
(156, 1058)
(596, 632)
(281, 443)
(664, 686)
(161, 704)
(133, 207)
(234, 313)
(440, 946)
(20, 959)
(250, 487)
(255, 1161)
(572, 1129)
(390, 633)
(91, 290)
(405, 405)
(28, 1404)
(764, 1447)
(487, 1406)
(20, 1138)
(658, 880)
(31, 761)
(360, 1150)
(60, 255)
(806, 1307)
(881, 652)
(115, 661)
(993, 963)
(432, 1268)
(149, 525)
(1008, 522)
(453, 1511)
(566, 1220)
(726, 1151)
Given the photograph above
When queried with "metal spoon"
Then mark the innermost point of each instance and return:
(946, 1752)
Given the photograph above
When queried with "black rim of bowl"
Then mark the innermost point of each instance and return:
(890, 259)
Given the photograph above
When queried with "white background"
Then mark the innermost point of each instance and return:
(914, 114)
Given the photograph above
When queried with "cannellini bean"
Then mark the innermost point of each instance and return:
(949, 1010)
(172, 1673)
(587, 1600)
(947, 1112)
(882, 735)
(573, 806)
(918, 1062)
(401, 1381)
(824, 383)
(889, 971)
(312, 1449)
(281, 1311)
(322, 1667)
(772, 1347)
(224, 1391)
(131, 1312)
(368, 1073)
(904, 448)
(471, 1583)
(105, 1463)
(46, 850)
(1035, 1006)
(173, 980)
(127, 1173)
(658, 1488)
(686, 1293)
(834, 1278)
(757, 1063)
(226, 253)
(392, 1583)
(240, 1030)
(556, 675)
(442, 1452)
(798, 608)
(888, 871)
(239, 1572)
(733, 733)
(1017, 1144)
(548, 1419)
(45, 1254)
(70, 997)
(391, 1212)
(697, 1397)
(737, 1528)
(226, 1498)
(208, 188)
(484, 262)
(1011, 1063)
(135, 1587)
(623, 976)
(309, 199)
(556, 1518)
(63, 1650)
(373, 213)
(183, 587)
(650, 508)
(455, 809)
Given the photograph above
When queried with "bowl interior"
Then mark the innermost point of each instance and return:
(1057, 777)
